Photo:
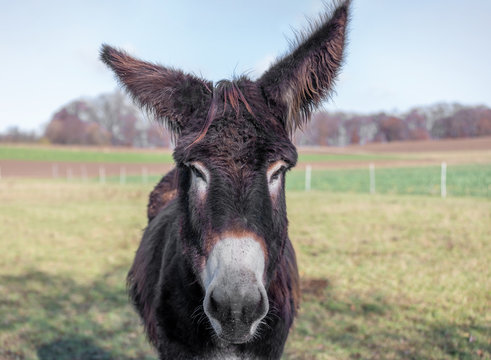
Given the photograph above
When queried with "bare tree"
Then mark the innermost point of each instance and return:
(109, 119)
(14, 134)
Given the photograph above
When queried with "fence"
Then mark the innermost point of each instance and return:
(458, 180)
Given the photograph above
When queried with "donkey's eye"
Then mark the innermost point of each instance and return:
(276, 175)
(198, 173)
(275, 171)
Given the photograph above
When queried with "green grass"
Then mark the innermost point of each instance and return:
(70, 154)
(383, 277)
(82, 155)
(462, 180)
(407, 277)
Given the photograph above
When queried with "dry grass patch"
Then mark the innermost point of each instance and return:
(383, 277)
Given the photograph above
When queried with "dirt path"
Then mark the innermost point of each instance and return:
(474, 144)
(46, 169)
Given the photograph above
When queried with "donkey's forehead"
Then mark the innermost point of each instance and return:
(238, 141)
(242, 129)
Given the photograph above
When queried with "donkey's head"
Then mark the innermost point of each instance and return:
(233, 149)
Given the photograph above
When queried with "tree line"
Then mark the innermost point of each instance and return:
(112, 119)
(439, 121)
(107, 120)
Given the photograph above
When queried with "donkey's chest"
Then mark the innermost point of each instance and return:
(230, 352)
(228, 356)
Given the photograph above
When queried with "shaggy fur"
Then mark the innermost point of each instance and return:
(236, 129)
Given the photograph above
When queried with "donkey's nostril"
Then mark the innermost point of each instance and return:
(220, 300)
(213, 303)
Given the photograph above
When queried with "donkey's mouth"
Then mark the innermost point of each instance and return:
(237, 340)
(233, 332)
(236, 337)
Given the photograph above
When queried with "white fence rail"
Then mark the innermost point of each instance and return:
(442, 180)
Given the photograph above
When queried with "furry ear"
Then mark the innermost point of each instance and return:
(299, 81)
(170, 95)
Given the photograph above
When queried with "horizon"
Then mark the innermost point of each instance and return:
(390, 66)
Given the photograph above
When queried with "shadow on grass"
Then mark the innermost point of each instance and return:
(48, 317)
(367, 326)
(54, 317)
(70, 349)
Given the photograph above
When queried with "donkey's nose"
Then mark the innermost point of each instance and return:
(236, 309)
(235, 306)
(235, 297)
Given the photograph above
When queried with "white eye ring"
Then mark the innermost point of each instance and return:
(201, 176)
(199, 171)
(274, 173)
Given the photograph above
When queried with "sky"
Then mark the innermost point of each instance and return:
(400, 54)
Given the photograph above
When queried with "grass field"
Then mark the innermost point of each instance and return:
(73, 154)
(115, 155)
(383, 277)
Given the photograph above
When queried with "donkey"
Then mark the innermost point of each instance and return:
(215, 275)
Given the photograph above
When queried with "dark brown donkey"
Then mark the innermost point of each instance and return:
(215, 275)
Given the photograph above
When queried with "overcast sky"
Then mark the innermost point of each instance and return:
(400, 53)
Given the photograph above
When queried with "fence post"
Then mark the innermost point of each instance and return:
(372, 178)
(102, 175)
(0, 173)
(54, 170)
(122, 175)
(443, 182)
(308, 177)
(69, 174)
(144, 175)
(83, 173)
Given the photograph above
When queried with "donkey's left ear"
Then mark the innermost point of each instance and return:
(300, 81)
(171, 95)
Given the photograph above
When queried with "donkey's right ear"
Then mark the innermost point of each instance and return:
(171, 95)
(301, 80)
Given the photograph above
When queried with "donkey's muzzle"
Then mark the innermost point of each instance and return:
(235, 298)
(236, 307)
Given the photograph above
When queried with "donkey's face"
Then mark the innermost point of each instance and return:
(232, 152)
(232, 189)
